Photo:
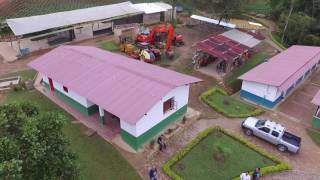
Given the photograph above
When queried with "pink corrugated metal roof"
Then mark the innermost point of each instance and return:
(316, 99)
(285, 68)
(122, 86)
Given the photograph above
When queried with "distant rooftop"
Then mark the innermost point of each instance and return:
(24, 8)
(285, 68)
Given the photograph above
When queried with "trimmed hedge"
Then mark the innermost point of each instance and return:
(204, 97)
(280, 166)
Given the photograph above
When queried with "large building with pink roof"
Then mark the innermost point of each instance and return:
(144, 97)
(274, 79)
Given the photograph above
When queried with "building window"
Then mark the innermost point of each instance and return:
(168, 105)
(65, 89)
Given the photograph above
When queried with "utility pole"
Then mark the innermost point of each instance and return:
(287, 21)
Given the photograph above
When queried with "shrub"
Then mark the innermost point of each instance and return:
(280, 166)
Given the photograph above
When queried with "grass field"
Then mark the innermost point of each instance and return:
(229, 106)
(315, 136)
(255, 60)
(25, 74)
(217, 157)
(97, 158)
(109, 46)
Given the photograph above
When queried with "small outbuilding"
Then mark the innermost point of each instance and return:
(270, 82)
(155, 12)
(144, 97)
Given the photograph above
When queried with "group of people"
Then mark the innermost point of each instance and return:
(255, 175)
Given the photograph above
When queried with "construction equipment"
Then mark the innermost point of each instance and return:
(126, 45)
(160, 32)
(142, 51)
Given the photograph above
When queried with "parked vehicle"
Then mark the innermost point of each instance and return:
(272, 132)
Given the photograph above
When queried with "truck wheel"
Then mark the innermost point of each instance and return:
(282, 148)
(248, 132)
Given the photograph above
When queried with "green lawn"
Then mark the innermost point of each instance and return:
(258, 6)
(97, 158)
(255, 60)
(109, 45)
(227, 105)
(218, 156)
(315, 136)
(25, 74)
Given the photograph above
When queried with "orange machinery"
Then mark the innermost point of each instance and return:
(162, 28)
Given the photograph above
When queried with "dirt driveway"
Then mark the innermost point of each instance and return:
(298, 105)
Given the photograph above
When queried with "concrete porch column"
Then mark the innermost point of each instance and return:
(101, 114)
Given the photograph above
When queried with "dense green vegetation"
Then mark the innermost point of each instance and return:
(315, 136)
(227, 105)
(233, 82)
(33, 146)
(298, 21)
(97, 158)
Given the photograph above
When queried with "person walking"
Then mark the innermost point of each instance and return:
(256, 174)
(153, 172)
(162, 143)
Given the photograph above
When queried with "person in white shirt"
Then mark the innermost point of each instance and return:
(245, 176)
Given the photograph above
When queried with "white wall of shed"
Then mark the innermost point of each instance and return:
(268, 92)
(151, 18)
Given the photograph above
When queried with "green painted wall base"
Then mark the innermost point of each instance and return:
(136, 142)
(87, 111)
(315, 122)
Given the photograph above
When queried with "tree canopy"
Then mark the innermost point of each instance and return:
(32, 145)
(303, 25)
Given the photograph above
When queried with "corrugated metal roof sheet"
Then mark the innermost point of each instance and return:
(212, 21)
(241, 37)
(222, 47)
(26, 25)
(285, 68)
(149, 8)
(123, 86)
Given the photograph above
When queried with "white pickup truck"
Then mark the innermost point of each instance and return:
(273, 133)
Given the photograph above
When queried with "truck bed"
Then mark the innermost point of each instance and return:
(292, 139)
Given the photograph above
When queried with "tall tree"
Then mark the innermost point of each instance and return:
(32, 146)
(224, 9)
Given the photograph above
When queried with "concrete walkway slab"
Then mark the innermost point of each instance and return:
(7, 52)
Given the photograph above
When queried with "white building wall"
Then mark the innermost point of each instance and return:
(268, 92)
(71, 94)
(151, 18)
(156, 115)
(31, 45)
(99, 26)
(83, 32)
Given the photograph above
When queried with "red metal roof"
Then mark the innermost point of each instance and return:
(122, 86)
(222, 47)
